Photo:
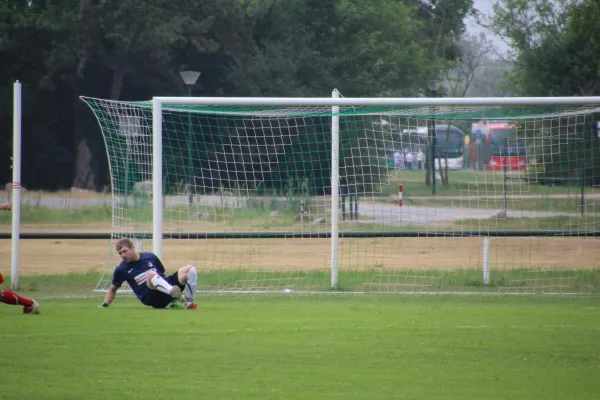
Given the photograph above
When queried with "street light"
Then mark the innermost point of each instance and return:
(433, 85)
(189, 78)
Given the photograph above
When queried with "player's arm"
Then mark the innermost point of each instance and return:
(110, 295)
(5, 206)
(112, 290)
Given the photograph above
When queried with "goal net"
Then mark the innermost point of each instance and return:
(360, 195)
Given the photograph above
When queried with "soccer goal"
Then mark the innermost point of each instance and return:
(415, 195)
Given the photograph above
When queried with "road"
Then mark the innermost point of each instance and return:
(237, 202)
(389, 214)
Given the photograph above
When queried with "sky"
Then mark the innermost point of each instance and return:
(485, 7)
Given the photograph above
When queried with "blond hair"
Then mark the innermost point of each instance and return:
(124, 242)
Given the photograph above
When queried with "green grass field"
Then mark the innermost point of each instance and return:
(322, 346)
(474, 183)
(304, 347)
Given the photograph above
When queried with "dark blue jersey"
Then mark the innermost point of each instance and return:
(136, 273)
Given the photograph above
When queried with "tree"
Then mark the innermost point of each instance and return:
(309, 47)
(553, 44)
(491, 79)
(556, 51)
(129, 38)
(24, 44)
(132, 50)
(443, 25)
(475, 53)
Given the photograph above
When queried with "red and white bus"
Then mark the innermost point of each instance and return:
(506, 149)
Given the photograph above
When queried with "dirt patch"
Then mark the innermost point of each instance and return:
(39, 257)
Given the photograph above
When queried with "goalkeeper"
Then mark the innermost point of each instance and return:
(7, 297)
(145, 273)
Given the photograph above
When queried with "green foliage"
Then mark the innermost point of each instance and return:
(363, 48)
(557, 52)
(555, 44)
(76, 215)
(133, 50)
(443, 25)
(574, 160)
(485, 182)
(290, 155)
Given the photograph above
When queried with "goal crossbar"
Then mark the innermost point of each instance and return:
(362, 101)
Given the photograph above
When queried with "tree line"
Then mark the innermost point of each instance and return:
(133, 50)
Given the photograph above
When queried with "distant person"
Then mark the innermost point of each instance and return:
(145, 273)
(398, 160)
(409, 160)
(467, 151)
(420, 156)
(11, 298)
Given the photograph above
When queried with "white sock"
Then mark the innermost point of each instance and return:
(191, 284)
(161, 285)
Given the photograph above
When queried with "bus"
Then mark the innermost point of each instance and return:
(506, 149)
(450, 144)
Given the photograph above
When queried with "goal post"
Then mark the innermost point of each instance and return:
(251, 191)
(157, 175)
(15, 186)
(335, 188)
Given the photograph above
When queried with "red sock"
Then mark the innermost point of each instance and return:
(13, 298)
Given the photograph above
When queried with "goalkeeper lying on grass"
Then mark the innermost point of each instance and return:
(145, 274)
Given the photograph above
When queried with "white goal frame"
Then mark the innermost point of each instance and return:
(335, 102)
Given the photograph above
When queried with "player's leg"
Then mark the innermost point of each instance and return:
(8, 297)
(186, 278)
(156, 299)
(33, 309)
(29, 306)
(189, 275)
(157, 282)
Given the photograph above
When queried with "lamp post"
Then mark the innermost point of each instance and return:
(189, 78)
(433, 85)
